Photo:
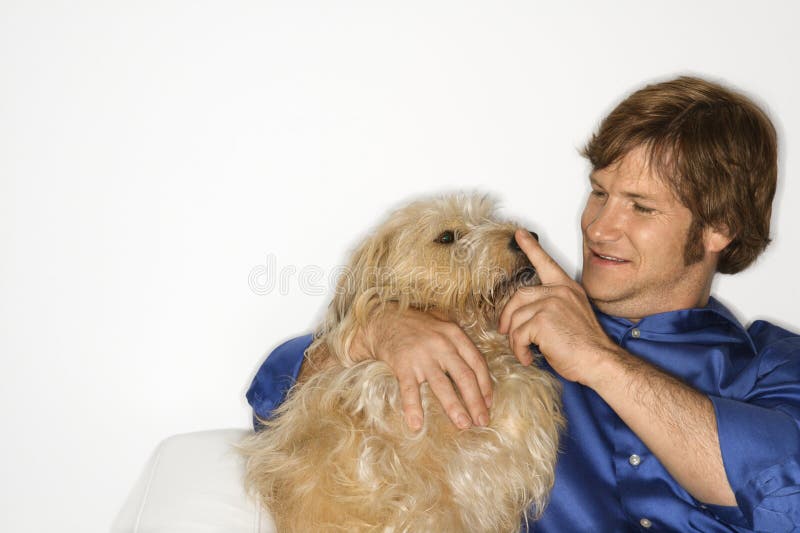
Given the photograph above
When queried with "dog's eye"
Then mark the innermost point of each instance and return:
(447, 237)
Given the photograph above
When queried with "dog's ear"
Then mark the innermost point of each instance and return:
(364, 277)
(358, 292)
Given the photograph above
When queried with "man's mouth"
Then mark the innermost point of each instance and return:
(611, 258)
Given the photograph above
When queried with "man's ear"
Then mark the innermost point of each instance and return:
(716, 239)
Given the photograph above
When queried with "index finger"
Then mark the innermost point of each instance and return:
(548, 270)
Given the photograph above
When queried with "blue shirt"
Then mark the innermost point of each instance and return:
(608, 481)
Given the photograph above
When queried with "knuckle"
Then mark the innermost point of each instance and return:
(408, 388)
(527, 290)
(481, 361)
(454, 331)
(470, 356)
(544, 290)
(512, 313)
(439, 379)
(439, 342)
(463, 375)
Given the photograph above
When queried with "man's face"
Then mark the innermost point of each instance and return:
(634, 235)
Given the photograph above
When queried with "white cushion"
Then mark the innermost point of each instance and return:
(193, 484)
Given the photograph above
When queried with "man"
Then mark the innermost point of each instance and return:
(679, 419)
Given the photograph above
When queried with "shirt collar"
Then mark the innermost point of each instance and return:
(711, 323)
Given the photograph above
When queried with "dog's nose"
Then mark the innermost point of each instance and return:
(513, 242)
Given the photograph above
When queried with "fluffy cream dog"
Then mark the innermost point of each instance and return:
(337, 456)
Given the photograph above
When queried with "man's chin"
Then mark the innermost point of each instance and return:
(603, 299)
(598, 291)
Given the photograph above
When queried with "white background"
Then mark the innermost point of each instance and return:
(153, 154)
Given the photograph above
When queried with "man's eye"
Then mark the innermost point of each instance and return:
(598, 194)
(644, 210)
(446, 237)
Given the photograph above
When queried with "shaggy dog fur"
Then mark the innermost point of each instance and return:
(337, 455)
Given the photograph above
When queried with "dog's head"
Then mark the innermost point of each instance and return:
(450, 254)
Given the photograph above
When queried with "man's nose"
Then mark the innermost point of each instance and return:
(604, 225)
(515, 246)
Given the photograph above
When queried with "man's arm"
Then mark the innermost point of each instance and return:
(418, 346)
(676, 422)
(275, 377)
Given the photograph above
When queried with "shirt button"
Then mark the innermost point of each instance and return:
(635, 460)
(635, 333)
(645, 523)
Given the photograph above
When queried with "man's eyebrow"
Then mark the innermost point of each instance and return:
(634, 195)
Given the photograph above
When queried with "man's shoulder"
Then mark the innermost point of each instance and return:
(276, 375)
(293, 346)
(765, 333)
(774, 344)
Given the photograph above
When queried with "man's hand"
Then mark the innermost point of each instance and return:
(420, 347)
(556, 316)
(676, 422)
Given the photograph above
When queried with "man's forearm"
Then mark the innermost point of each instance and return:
(676, 422)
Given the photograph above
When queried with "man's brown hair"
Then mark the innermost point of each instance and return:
(713, 147)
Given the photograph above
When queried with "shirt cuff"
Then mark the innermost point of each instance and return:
(276, 376)
(761, 453)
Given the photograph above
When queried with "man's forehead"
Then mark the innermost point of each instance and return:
(630, 185)
(633, 177)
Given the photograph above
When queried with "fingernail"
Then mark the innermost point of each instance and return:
(414, 422)
(463, 421)
(483, 420)
(488, 400)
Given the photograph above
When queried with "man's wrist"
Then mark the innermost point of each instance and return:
(362, 347)
(607, 368)
(368, 336)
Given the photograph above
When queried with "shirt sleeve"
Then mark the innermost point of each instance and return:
(275, 377)
(760, 443)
